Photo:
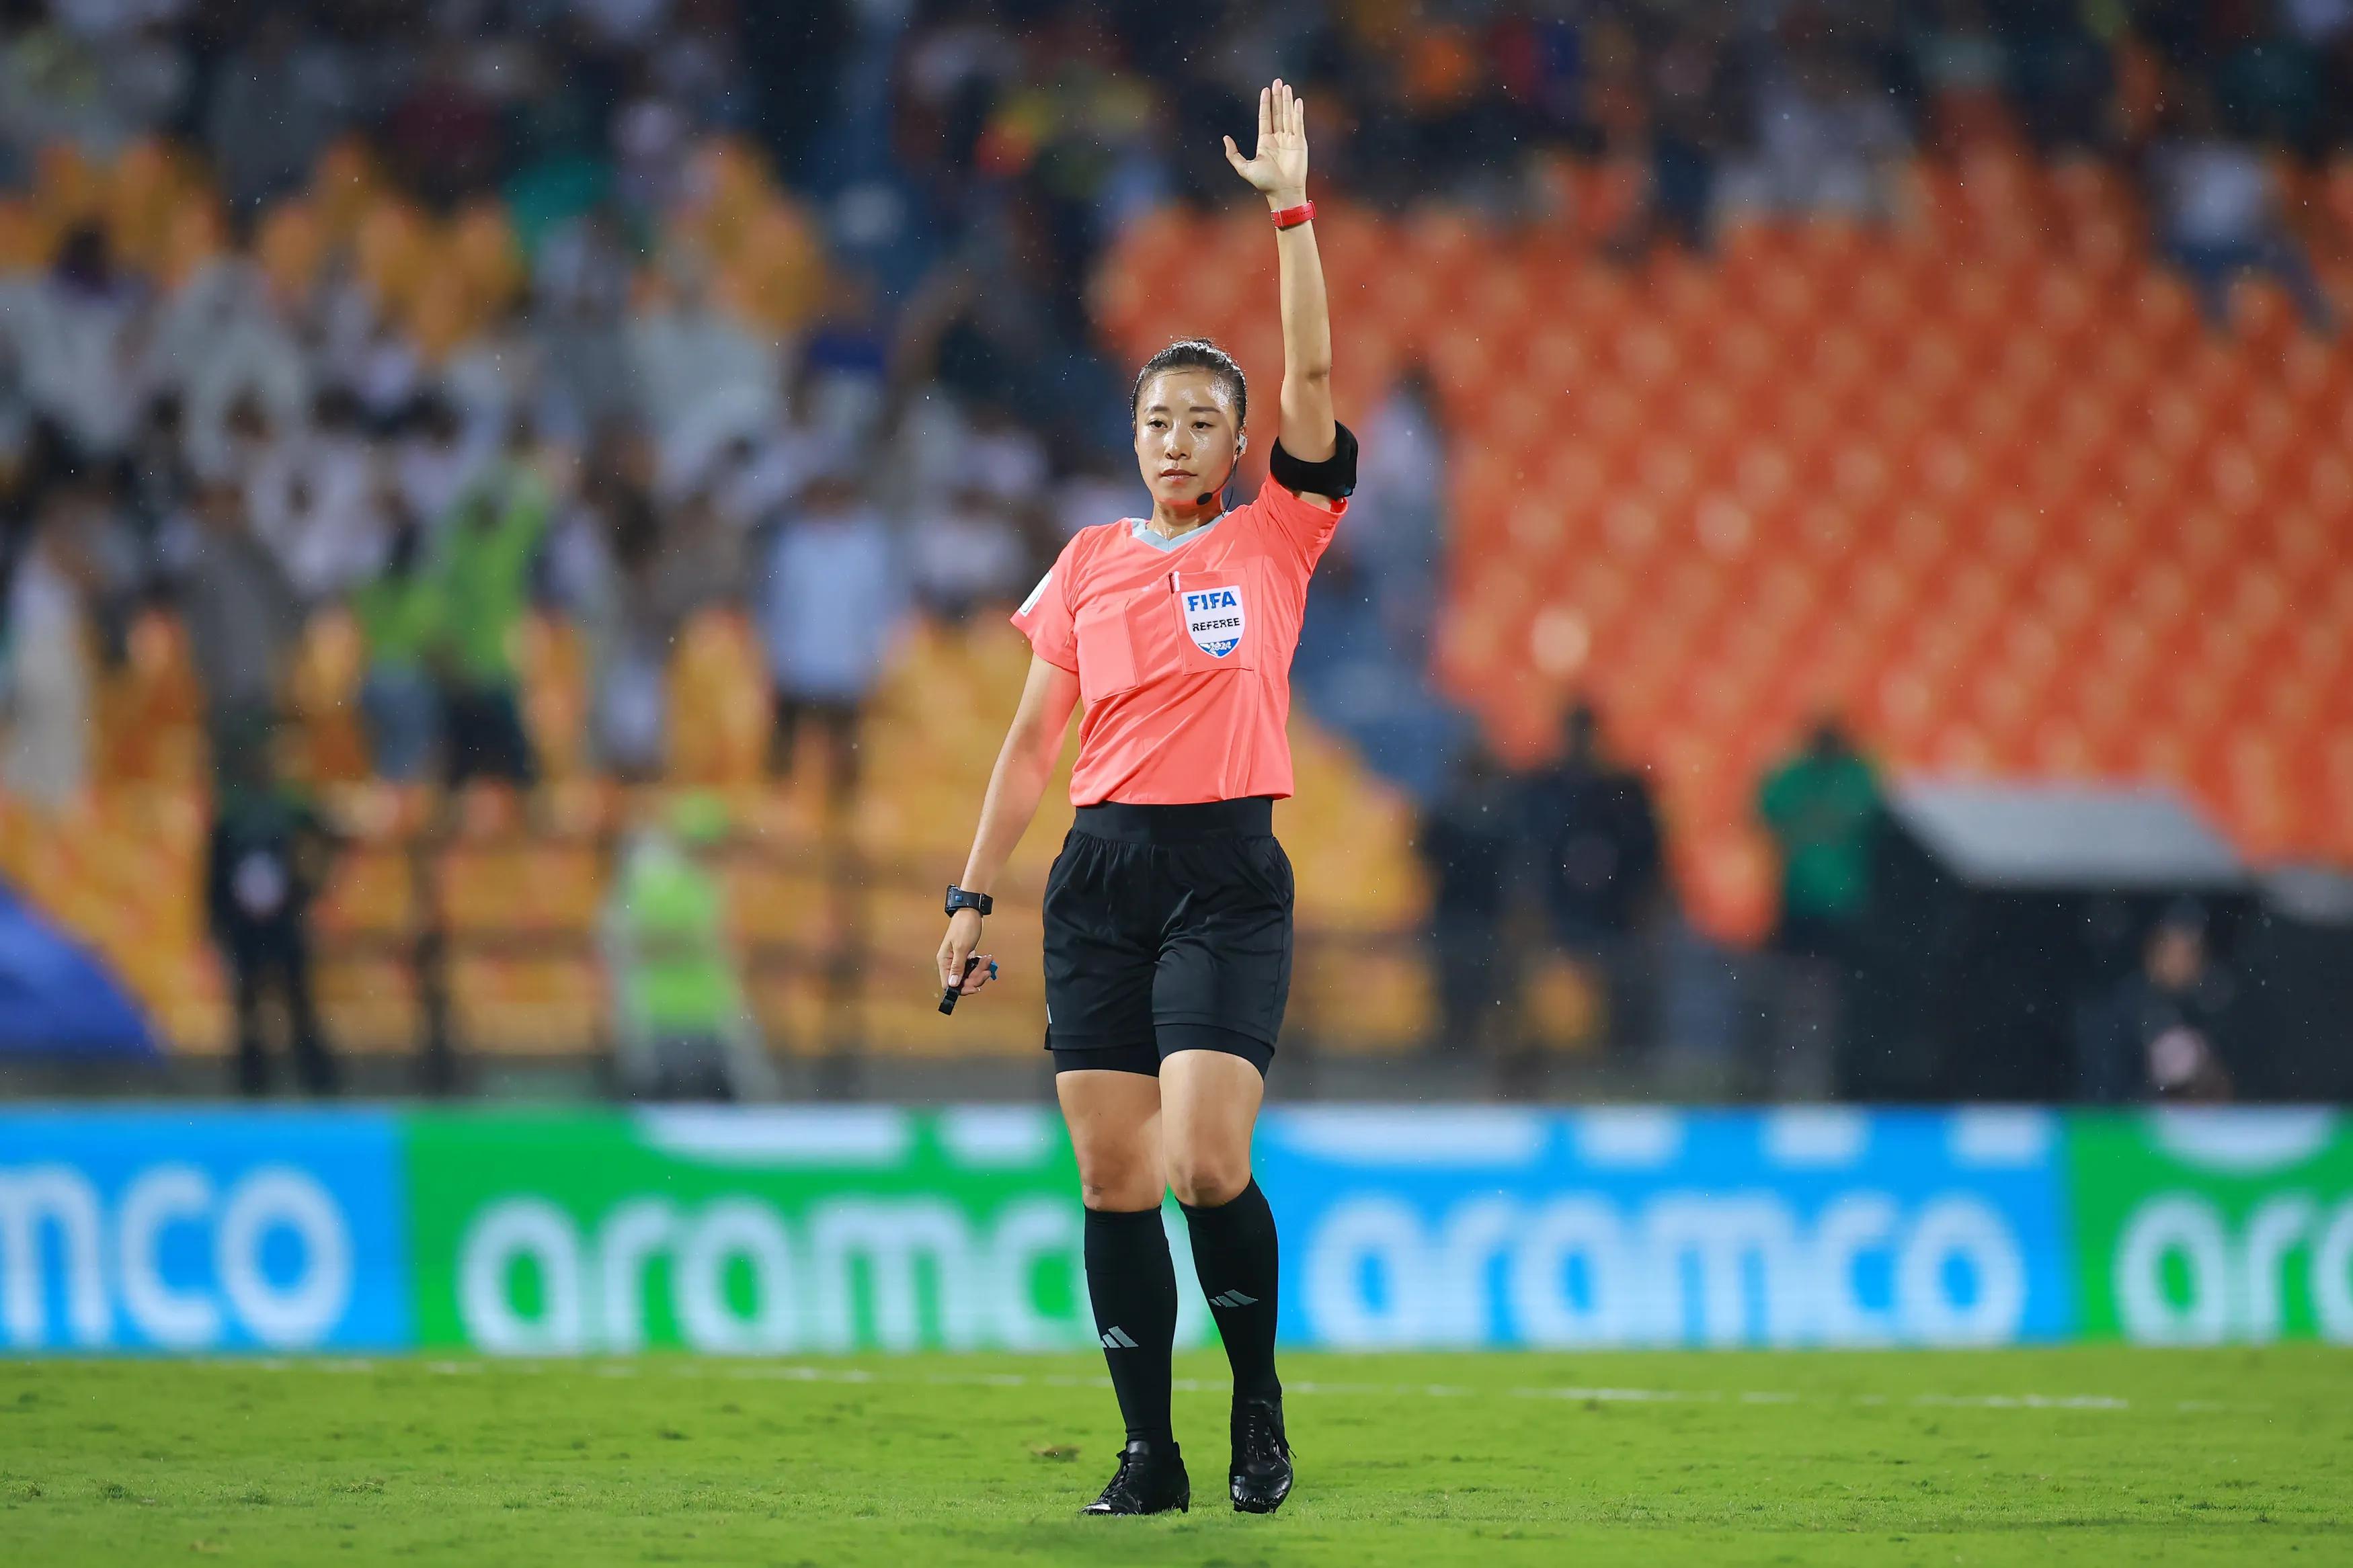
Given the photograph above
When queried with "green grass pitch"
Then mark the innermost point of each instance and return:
(2013, 1456)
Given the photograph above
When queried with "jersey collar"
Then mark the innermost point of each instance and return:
(1142, 529)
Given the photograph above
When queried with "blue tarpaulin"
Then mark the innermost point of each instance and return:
(59, 1000)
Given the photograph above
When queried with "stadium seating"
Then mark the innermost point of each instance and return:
(816, 892)
(1983, 482)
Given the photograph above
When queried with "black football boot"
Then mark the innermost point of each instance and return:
(1261, 1477)
(1151, 1479)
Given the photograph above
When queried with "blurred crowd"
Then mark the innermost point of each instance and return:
(914, 410)
(439, 315)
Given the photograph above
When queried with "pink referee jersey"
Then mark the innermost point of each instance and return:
(1182, 649)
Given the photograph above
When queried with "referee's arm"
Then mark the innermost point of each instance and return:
(1309, 433)
(1016, 785)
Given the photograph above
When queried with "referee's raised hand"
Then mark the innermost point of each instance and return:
(957, 951)
(1279, 168)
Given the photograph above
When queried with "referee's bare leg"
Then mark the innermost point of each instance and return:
(1209, 1102)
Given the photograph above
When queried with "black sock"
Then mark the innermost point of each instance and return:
(1234, 1253)
(1134, 1288)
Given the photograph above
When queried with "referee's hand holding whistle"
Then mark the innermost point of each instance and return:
(958, 971)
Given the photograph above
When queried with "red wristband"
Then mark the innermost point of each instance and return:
(1292, 218)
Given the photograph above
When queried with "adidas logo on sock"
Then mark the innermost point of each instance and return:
(1116, 1339)
(1233, 1299)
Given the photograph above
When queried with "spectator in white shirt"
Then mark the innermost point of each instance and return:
(967, 553)
(2219, 216)
(219, 341)
(76, 333)
(45, 755)
(827, 609)
(691, 361)
(314, 501)
(437, 461)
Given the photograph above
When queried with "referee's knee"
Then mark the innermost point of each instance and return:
(1119, 1185)
(1204, 1179)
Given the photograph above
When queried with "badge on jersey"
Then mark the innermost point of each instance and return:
(1214, 618)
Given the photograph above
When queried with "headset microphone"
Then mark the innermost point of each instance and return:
(1206, 497)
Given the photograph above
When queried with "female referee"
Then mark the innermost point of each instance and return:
(1167, 913)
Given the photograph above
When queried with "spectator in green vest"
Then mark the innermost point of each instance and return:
(681, 1027)
(490, 549)
(400, 613)
(1822, 808)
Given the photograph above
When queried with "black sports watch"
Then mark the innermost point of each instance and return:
(960, 900)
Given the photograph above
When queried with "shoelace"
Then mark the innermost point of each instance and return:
(1260, 1438)
(1120, 1478)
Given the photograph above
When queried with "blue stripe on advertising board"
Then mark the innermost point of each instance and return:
(201, 1230)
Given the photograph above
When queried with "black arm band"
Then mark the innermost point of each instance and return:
(1336, 476)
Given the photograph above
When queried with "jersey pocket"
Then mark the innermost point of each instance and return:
(1217, 617)
(1106, 651)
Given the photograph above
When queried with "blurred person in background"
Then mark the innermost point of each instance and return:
(1095, 486)
(275, 100)
(1822, 810)
(267, 860)
(1471, 842)
(691, 362)
(48, 684)
(829, 604)
(243, 620)
(487, 560)
(401, 613)
(1592, 835)
(2217, 206)
(682, 1029)
(581, 278)
(78, 332)
(2061, 72)
(1827, 134)
(694, 561)
(442, 135)
(604, 561)
(967, 553)
(316, 500)
(1397, 540)
(760, 470)
(1694, 107)
(223, 349)
(436, 460)
(94, 75)
(2167, 1030)
(158, 483)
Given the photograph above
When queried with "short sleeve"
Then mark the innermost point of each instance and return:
(1309, 527)
(1044, 617)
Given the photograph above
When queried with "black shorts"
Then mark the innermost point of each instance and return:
(1167, 929)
